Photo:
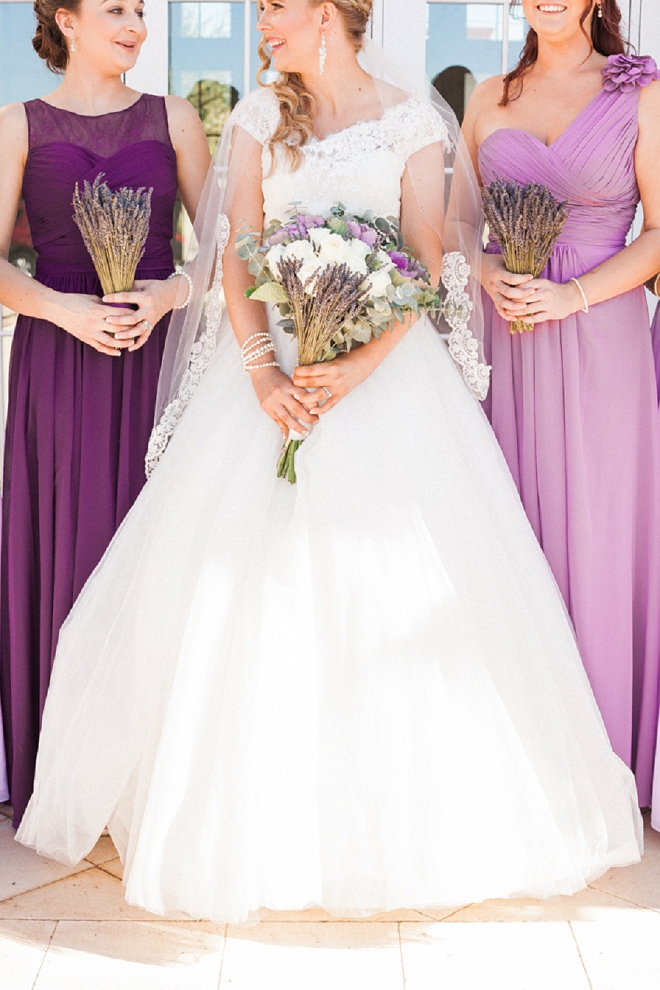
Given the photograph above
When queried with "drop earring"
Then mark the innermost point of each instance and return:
(323, 54)
(600, 10)
(73, 44)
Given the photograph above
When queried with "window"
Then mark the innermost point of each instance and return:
(468, 42)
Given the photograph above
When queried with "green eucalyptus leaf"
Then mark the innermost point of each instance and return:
(270, 292)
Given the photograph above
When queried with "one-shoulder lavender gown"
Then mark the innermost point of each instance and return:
(574, 407)
(78, 421)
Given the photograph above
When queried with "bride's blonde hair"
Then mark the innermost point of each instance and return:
(297, 103)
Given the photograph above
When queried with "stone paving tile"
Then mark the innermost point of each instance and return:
(114, 868)
(586, 905)
(103, 851)
(491, 956)
(640, 883)
(23, 946)
(90, 896)
(6, 810)
(316, 956)
(133, 956)
(23, 870)
(621, 953)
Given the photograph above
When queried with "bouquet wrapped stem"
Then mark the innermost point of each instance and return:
(526, 222)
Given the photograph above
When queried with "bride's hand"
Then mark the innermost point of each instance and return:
(509, 292)
(332, 379)
(278, 398)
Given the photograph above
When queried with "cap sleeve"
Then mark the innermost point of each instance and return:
(419, 125)
(258, 114)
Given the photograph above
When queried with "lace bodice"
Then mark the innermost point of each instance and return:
(360, 166)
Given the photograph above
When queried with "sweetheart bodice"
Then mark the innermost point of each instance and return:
(591, 164)
(131, 147)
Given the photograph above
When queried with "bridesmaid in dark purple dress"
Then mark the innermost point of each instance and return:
(81, 401)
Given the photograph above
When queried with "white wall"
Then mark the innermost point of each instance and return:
(150, 74)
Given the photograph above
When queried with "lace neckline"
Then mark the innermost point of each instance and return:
(94, 116)
(361, 123)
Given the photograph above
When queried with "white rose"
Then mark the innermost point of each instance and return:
(378, 283)
(308, 271)
(359, 248)
(319, 235)
(302, 250)
(334, 250)
(274, 257)
(356, 264)
(386, 261)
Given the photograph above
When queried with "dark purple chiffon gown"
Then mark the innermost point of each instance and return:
(78, 421)
(574, 407)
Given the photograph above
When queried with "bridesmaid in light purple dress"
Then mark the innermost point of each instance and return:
(80, 411)
(574, 403)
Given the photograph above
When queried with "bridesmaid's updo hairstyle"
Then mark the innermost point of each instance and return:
(49, 43)
(606, 39)
(296, 103)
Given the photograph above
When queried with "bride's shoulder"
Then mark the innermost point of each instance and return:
(258, 113)
(418, 123)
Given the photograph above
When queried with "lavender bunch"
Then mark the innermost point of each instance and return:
(319, 309)
(526, 222)
(114, 227)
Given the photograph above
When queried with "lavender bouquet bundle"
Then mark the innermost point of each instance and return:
(338, 281)
(526, 222)
(114, 227)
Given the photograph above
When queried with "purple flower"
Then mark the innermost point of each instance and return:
(399, 260)
(369, 236)
(628, 72)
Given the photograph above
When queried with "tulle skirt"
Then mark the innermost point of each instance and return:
(360, 692)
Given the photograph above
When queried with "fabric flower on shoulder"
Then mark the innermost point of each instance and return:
(629, 72)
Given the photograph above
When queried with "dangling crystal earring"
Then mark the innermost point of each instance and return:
(323, 54)
(73, 44)
(600, 9)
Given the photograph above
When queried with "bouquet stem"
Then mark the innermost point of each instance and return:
(519, 326)
(286, 466)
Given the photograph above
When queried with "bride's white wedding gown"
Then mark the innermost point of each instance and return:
(360, 692)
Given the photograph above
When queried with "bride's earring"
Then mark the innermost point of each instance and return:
(600, 9)
(323, 54)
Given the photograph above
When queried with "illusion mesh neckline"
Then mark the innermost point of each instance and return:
(93, 116)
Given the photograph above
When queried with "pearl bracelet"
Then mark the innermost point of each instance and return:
(255, 347)
(585, 308)
(180, 271)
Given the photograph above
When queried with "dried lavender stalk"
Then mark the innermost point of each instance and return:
(319, 310)
(526, 222)
(114, 227)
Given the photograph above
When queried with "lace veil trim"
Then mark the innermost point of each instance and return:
(200, 357)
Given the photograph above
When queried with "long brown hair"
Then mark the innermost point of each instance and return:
(296, 103)
(606, 39)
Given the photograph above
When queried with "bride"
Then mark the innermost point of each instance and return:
(362, 691)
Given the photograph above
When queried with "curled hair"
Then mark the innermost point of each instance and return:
(49, 43)
(606, 39)
(297, 103)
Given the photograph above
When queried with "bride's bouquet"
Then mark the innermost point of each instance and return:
(338, 281)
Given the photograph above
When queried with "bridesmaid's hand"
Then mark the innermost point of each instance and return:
(84, 317)
(509, 292)
(154, 298)
(282, 401)
(552, 301)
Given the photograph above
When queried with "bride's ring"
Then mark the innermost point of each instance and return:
(147, 325)
(327, 391)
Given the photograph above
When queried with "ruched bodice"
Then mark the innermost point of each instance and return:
(131, 147)
(591, 164)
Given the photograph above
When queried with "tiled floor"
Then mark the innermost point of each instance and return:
(70, 929)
